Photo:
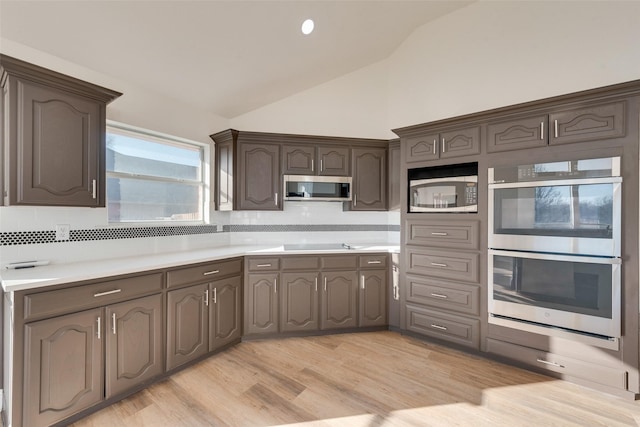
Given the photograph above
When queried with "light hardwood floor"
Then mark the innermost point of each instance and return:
(364, 379)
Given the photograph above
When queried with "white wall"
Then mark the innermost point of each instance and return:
(498, 53)
(354, 105)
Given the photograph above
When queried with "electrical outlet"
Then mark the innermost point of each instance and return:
(62, 231)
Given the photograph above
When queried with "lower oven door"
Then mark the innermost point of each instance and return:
(578, 293)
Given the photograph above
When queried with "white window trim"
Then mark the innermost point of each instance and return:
(134, 131)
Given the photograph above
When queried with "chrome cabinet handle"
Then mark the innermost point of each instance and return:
(541, 130)
(275, 285)
(316, 283)
(374, 262)
(437, 264)
(325, 284)
(546, 362)
(206, 297)
(396, 292)
(263, 265)
(439, 296)
(435, 144)
(321, 165)
(362, 281)
(555, 125)
(311, 165)
(439, 233)
(94, 188)
(215, 295)
(443, 147)
(355, 199)
(442, 328)
(207, 273)
(101, 294)
(276, 197)
(99, 327)
(113, 323)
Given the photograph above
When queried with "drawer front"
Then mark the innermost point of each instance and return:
(263, 264)
(445, 264)
(443, 326)
(339, 262)
(300, 262)
(445, 295)
(372, 261)
(84, 296)
(605, 375)
(204, 272)
(444, 234)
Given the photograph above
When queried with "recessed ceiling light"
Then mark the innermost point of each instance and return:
(307, 26)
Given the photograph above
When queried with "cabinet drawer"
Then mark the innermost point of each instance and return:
(449, 265)
(564, 365)
(339, 262)
(445, 295)
(444, 326)
(84, 296)
(263, 264)
(203, 272)
(445, 234)
(300, 262)
(372, 261)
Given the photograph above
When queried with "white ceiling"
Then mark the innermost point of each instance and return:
(226, 57)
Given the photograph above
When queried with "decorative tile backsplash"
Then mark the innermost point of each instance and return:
(38, 237)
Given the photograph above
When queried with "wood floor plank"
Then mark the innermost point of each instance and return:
(364, 379)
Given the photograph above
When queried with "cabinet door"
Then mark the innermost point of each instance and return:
(261, 309)
(133, 332)
(394, 177)
(259, 180)
(299, 302)
(63, 366)
(369, 179)
(421, 148)
(187, 323)
(225, 312)
(460, 142)
(224, 192)
(334, 161)
(58, 150)
(373, 298)
(586, 124)
(526, 132)
(338, 300)
(298, 160)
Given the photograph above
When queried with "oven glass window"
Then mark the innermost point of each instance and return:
(578, 287)
(566, 211)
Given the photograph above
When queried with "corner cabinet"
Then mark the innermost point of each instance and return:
(54, 137)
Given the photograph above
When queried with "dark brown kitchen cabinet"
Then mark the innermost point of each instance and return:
(259, 180)
(55, 137)
(187, 324)
(315, 160)
(458, 329)
(133, 332)
(225, 312)
(373, 298)
(369, 166)
(299, 302)
(595, 122)
(446, 144)
(261, 303)
(64, 365)
(395, 160)
(339, 300)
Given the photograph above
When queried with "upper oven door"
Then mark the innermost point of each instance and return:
(579, 216)
(452, 194)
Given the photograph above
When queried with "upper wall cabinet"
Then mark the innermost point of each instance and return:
(443, 145)
(596, 122)
(54, 138)
(315, 160)
(250, 166)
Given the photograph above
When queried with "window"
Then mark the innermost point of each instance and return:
(153, 177)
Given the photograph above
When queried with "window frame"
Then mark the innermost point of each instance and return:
(118, 128)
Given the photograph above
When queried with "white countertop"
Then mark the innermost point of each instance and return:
(54, 274)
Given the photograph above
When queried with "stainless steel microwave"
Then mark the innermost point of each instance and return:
(321, 188)
(444, 189)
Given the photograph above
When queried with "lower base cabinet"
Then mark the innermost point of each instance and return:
(299, 296)
(373, 298)
(66, 368)
(202, 318)
(339, 300)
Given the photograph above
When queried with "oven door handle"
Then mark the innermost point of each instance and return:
(557, 257)
(556, 182)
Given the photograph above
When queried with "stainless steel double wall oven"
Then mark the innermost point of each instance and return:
(555, 245)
